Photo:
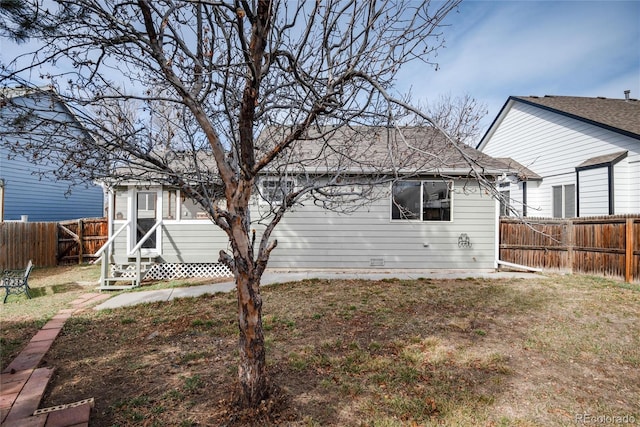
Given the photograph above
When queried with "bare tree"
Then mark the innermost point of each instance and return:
(459, 116)
(245, 88)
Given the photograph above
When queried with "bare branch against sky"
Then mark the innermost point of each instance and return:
(208, 96)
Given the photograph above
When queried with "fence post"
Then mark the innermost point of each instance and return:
(80, 241)
(629, 245)
(570, 243)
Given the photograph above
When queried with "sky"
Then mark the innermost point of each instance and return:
(497, 49)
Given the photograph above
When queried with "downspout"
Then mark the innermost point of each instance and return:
(611, 189)
(577, 193)
(524, 198)
(496, 255)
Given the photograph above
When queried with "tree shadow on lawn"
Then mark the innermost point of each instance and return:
(340, 353)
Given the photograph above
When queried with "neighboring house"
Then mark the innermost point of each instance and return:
(573, 156)
(433, 216)
(27, 188)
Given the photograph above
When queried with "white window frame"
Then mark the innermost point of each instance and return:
(563, 200)
(423, 182)
(267, 194)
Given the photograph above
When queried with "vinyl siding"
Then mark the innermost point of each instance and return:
(43, 199)
(623, 188)
(316, 238)
(553, 145)
(594, 192)
(310, 237)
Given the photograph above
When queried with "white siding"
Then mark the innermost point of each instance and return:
(623, 188)
(594, 192)
(634, 184)
(535, 201)
(553, 145)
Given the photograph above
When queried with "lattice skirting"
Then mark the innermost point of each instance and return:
(177, 271)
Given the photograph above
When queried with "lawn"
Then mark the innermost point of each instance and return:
(554, 350)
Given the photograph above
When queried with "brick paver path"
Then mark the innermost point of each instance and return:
(23, 382)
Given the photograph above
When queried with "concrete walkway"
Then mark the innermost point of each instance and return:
(271, 277)
(23, 381)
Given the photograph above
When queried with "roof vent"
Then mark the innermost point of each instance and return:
(626, 94)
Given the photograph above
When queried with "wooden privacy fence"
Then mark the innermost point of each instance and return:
(607, 246)
(50, 243)
(78, 240)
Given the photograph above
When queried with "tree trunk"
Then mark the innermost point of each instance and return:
(252, 367)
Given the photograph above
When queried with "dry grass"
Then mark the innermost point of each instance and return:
(367, 353)
(52, 289)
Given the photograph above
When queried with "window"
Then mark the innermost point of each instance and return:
(421, 200)
(191, 210)
(146, 205)
(505, 198)
(274, 190)
(169, 204)
(569, 201)
(120, 202)
(505, 204)
(564, 201)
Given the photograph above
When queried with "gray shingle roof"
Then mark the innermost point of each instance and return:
(523, 172)
(612, 158)
(362, 149)
(616, 114)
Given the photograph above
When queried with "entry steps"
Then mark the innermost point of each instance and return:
(127, 276)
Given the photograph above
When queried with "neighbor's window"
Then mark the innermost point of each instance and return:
(505, 198)
(564, 201)
(505, 203)
(274, 190)
(421, 200)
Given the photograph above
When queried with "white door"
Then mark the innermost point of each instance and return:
(146, 216)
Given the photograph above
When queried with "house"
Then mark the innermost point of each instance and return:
(434, 215)
(570, 156)
(28, 189)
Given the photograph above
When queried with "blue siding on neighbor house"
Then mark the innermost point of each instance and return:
(41, 199)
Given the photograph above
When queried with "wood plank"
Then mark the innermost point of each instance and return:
(629, 243)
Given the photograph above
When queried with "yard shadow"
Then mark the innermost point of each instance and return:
(401, 350)
(66, 287)
(37, 292)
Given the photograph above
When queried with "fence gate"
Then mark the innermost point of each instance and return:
(79, 239)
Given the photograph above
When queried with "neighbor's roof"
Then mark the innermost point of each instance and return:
(20, 91)
(597, 161)
(620, 114)
(523, 172)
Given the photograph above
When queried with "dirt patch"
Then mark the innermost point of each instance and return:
(464, 352)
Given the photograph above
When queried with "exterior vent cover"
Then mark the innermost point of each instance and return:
(376, 262)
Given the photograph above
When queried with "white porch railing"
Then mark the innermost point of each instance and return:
(105, 251)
